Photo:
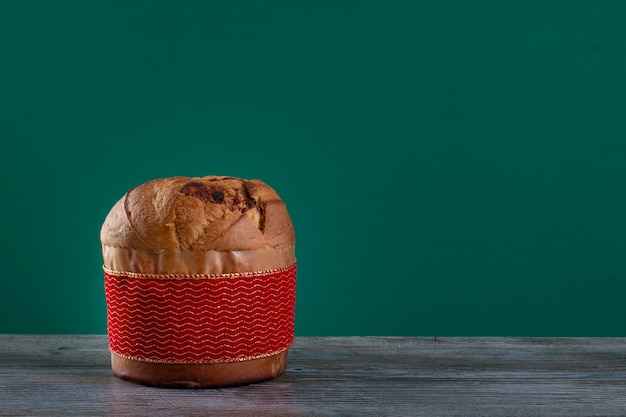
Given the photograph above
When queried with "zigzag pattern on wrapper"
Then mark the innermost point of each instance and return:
(196, 320)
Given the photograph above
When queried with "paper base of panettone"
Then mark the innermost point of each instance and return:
(212, 375)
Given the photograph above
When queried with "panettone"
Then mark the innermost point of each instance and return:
(200, 282)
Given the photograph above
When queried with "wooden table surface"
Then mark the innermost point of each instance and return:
(69, 375)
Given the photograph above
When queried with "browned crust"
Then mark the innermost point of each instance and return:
(199, 214)
(199, 375)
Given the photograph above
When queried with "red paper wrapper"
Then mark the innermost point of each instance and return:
(200, 318)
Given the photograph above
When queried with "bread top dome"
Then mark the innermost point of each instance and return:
(187, 217)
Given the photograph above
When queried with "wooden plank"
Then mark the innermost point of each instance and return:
(368, 376)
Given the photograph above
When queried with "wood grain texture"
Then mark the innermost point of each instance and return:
(68, 375)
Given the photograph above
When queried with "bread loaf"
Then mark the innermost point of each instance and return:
(201, 227)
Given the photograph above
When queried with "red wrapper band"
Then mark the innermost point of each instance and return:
(200, 318)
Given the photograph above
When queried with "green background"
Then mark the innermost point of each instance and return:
(451, 167)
